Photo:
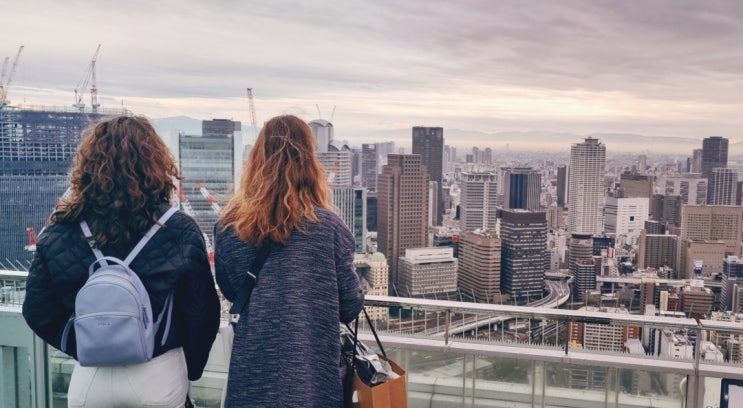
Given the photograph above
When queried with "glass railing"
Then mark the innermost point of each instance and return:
(462, 355)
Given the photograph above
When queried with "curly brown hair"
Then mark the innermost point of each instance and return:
(122, 173)
(282, 182)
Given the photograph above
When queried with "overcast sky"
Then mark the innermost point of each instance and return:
(660, 68)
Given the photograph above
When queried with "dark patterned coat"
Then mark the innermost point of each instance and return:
(174, 258)
(286, 351)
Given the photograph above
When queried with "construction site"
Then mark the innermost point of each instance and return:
(37, 146)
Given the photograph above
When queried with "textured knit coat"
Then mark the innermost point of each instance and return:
(175, 258)
(286, 351)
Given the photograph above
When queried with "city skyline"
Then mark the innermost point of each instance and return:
(665, 68)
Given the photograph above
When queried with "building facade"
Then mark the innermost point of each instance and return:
(479, 265)
(524, 250)
(428, 142)
(402, 202)
(477, 205)
(586, 187)
(37, 146)
(427, 271)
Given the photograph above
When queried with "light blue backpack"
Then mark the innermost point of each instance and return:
(113, 315)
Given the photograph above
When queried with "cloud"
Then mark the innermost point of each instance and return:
(673, 67)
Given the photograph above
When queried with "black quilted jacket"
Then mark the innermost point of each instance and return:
(174, 258)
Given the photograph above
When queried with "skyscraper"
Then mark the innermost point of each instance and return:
(692, 187)
(723, 186)
(524, 249)
(562, 177)
(336, 157)
(714, 154)
(479, 265)
(369, 166)
(402, 204)
(211, 161)
(581, 264)
(586, 187)
(522, 188)
(477, 207)
(429, 143)
(350, 203)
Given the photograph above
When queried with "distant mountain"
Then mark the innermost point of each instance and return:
(466, 139)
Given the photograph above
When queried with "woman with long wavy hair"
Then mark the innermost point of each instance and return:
(121, 183)
(286, 350)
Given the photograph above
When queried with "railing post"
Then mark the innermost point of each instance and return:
(447, 323)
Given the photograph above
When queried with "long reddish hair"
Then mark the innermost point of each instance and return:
(122, 172)
(282, 183)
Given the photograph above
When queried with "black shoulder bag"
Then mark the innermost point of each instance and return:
(244, 296)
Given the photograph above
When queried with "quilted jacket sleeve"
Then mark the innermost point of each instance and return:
(43, 311)
(196, 297)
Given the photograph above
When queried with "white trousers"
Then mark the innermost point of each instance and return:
(160, 382)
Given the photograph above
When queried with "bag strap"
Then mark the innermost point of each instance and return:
(137, 248)
(356, 337)
(251, 279)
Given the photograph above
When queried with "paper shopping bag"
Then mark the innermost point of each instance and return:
(389, 394)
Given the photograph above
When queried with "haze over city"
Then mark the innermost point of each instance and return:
(658, 69)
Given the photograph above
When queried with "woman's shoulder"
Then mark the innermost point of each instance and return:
(326, 215)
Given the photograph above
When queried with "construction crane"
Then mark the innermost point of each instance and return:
(5, 69)
(253, 120)
(83, 84)
(6, 85)
(331, 175)
(32, 239)
(207, 195)
(186, 206)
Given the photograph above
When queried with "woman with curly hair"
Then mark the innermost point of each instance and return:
(121, 183)
(286, 350)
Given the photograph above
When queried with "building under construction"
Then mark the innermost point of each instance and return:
(37, 147)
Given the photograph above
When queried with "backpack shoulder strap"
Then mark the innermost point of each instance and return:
(146, 238)
(89, 237)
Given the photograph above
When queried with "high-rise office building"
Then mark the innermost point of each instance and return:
(524, 250)
(723, 186)
(642, 164)
(479, 265)
(427, 271)
(713, 222)
(625, 215)
(210, 161)
(714, 154)
(581, 264)
(477, 201)
(708, 234)
(336, 157)
(696, 161)
(656, 251)
(586, 187)
(522, 188)
(369, 156)
(635, 185)
(732, 277)
(351, 206)
(37, 146)
(402, 202)
(429, 143)
(691, 187)
(562, 180)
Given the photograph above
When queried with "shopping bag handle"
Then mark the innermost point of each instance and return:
(355, 332)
